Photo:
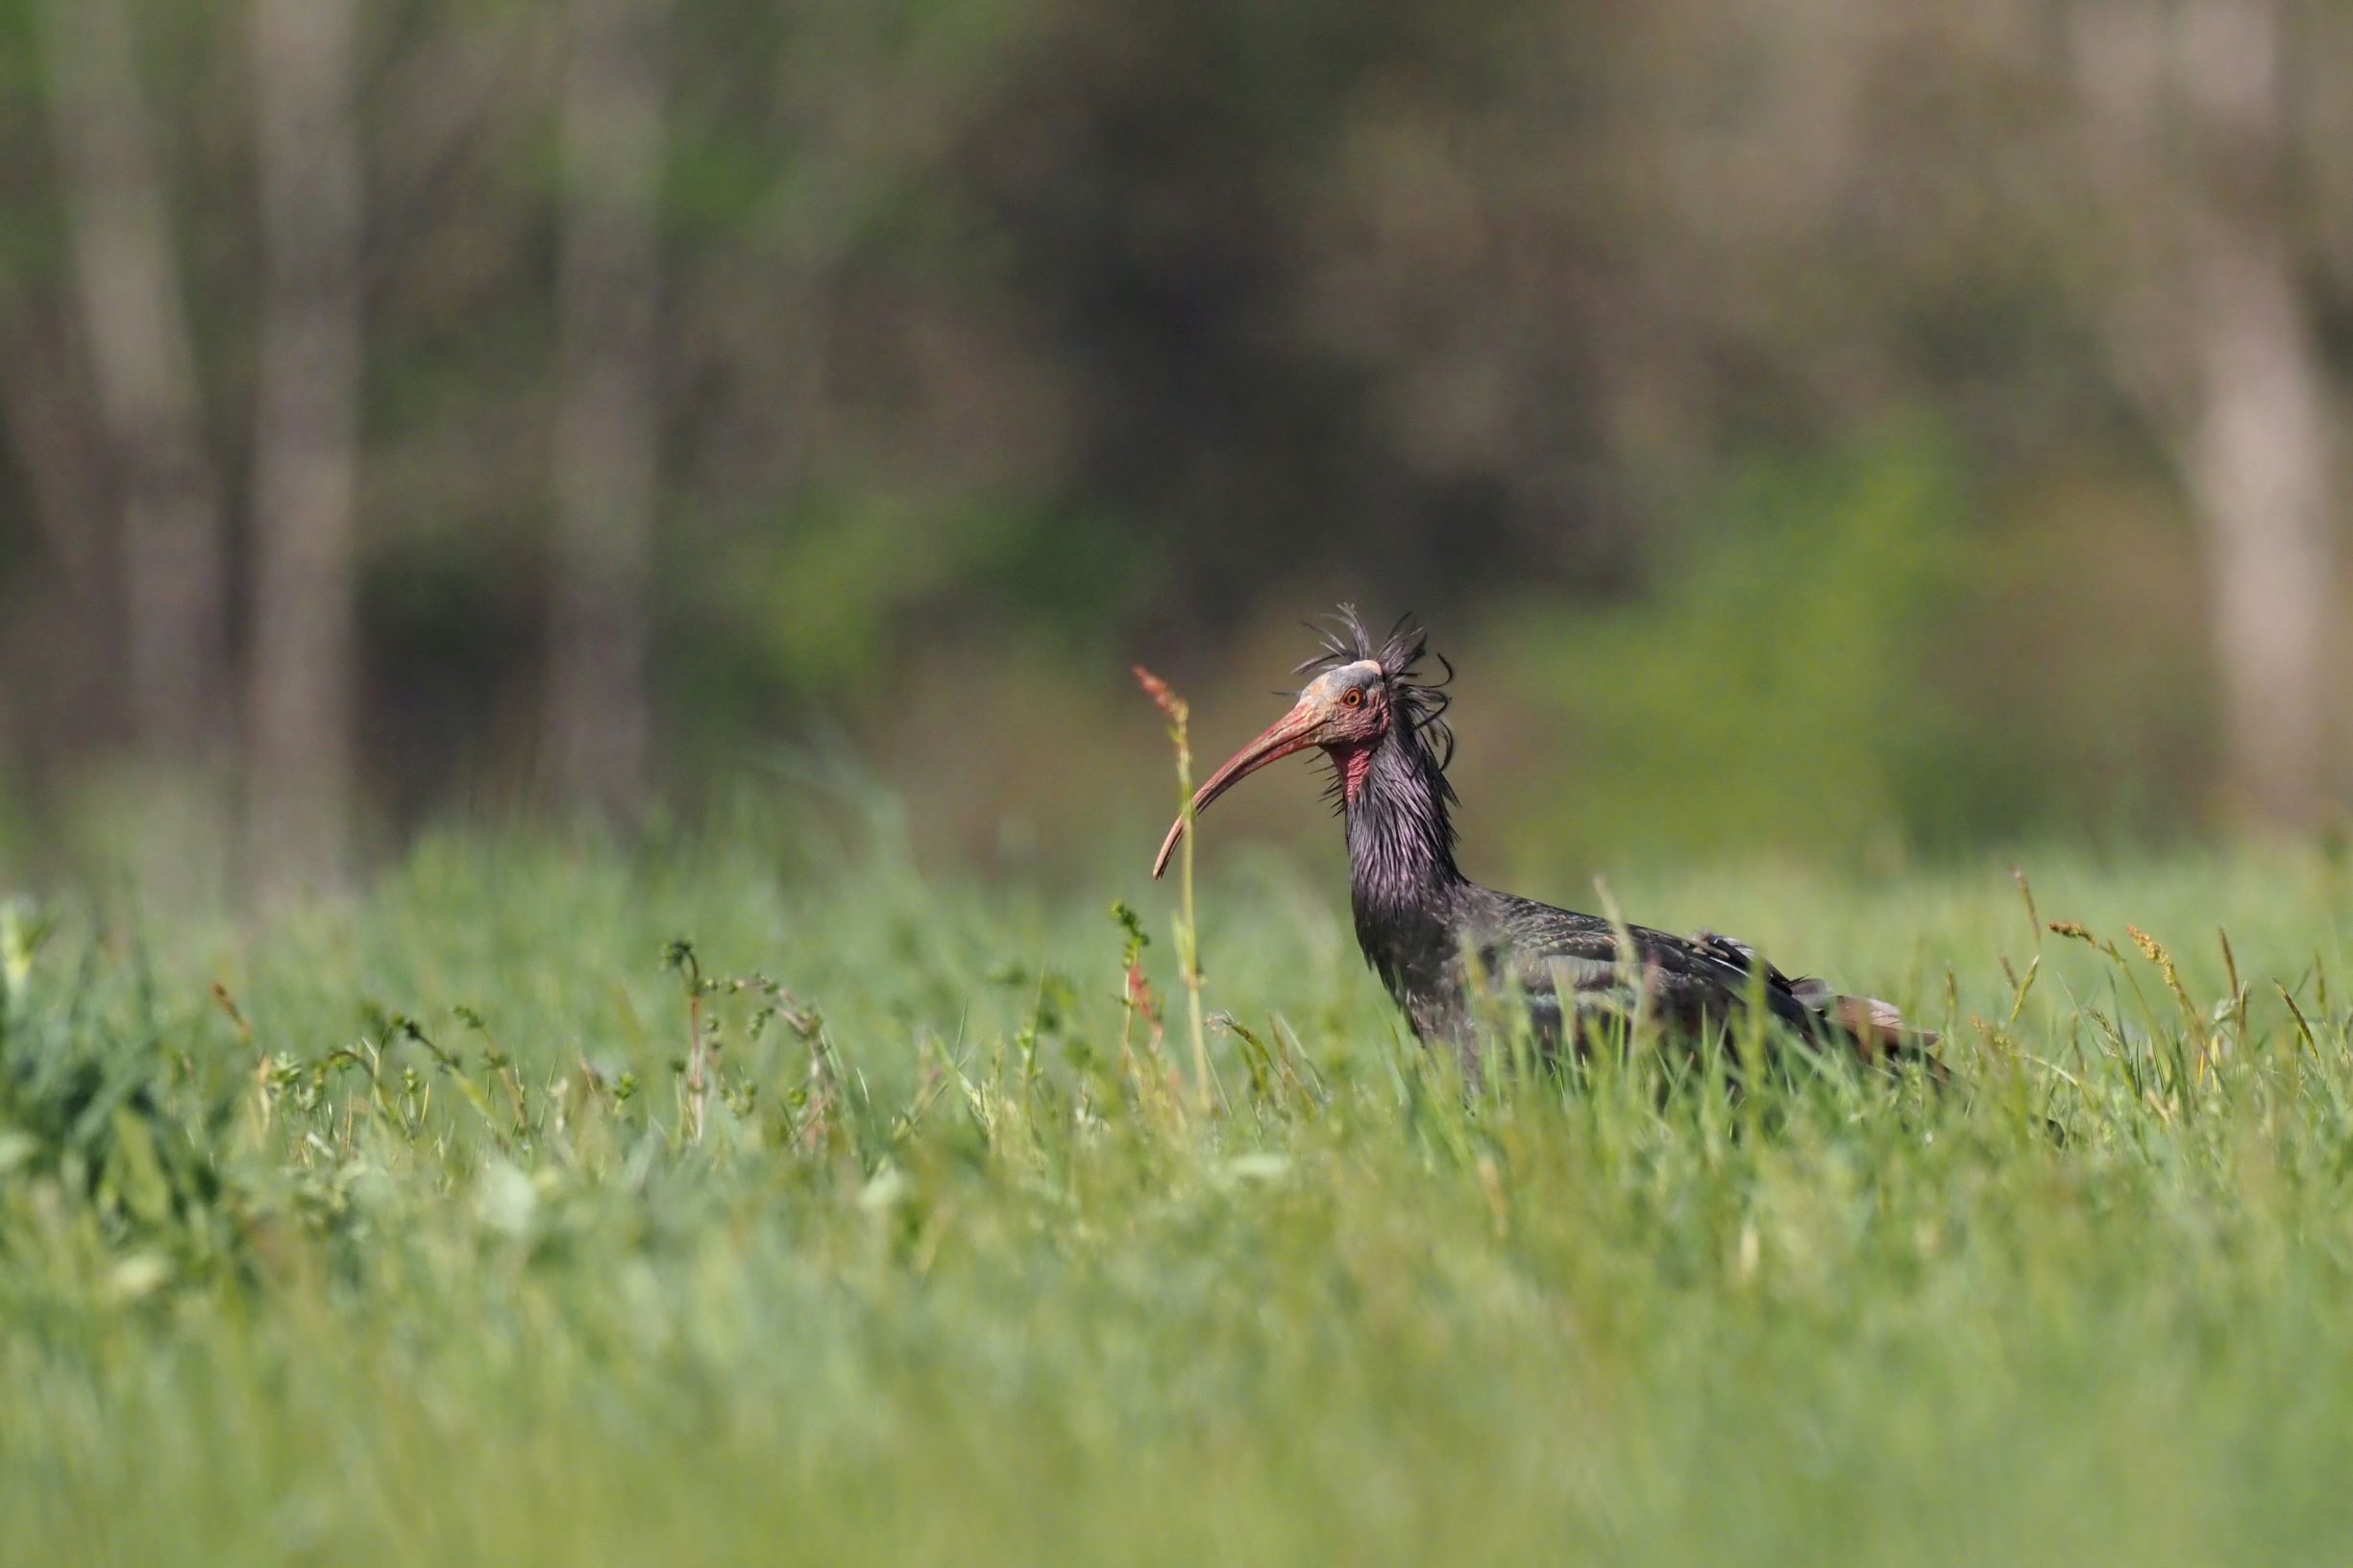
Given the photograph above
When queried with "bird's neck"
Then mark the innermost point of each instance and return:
(1401, 841)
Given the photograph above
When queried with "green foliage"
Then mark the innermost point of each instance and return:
(1771, 689)
(99, 1109)
(397, 1244)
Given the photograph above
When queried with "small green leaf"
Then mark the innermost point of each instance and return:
(138, 1174)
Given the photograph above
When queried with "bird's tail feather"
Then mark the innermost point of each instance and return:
(1877, 1028)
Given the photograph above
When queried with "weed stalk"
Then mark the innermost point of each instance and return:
(1179, 714)
(679, 956)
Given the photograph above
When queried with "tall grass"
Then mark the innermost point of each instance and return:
(403, 1244)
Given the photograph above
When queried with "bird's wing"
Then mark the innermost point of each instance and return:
(1582, 958)
(1574, 964)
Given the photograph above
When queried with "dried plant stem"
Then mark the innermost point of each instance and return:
(1187, 931)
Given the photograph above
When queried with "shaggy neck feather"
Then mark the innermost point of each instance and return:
(1401, 841)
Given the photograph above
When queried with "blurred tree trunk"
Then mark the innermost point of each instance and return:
(143, 369)
(2212, 327)
(2256, 455)
(606, 447)
(39, 390)
(2256, 452)
(42, 403)
(306, 437)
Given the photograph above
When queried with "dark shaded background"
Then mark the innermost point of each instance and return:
(1841, 428)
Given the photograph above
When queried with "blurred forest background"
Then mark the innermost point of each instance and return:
(1852, 428)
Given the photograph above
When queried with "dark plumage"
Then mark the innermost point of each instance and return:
(1432, 934)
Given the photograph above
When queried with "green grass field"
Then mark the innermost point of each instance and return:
(400, 1249)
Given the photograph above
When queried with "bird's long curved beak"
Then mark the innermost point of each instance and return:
(1294, 731)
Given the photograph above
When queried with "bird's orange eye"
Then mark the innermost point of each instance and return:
(1353, 698)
